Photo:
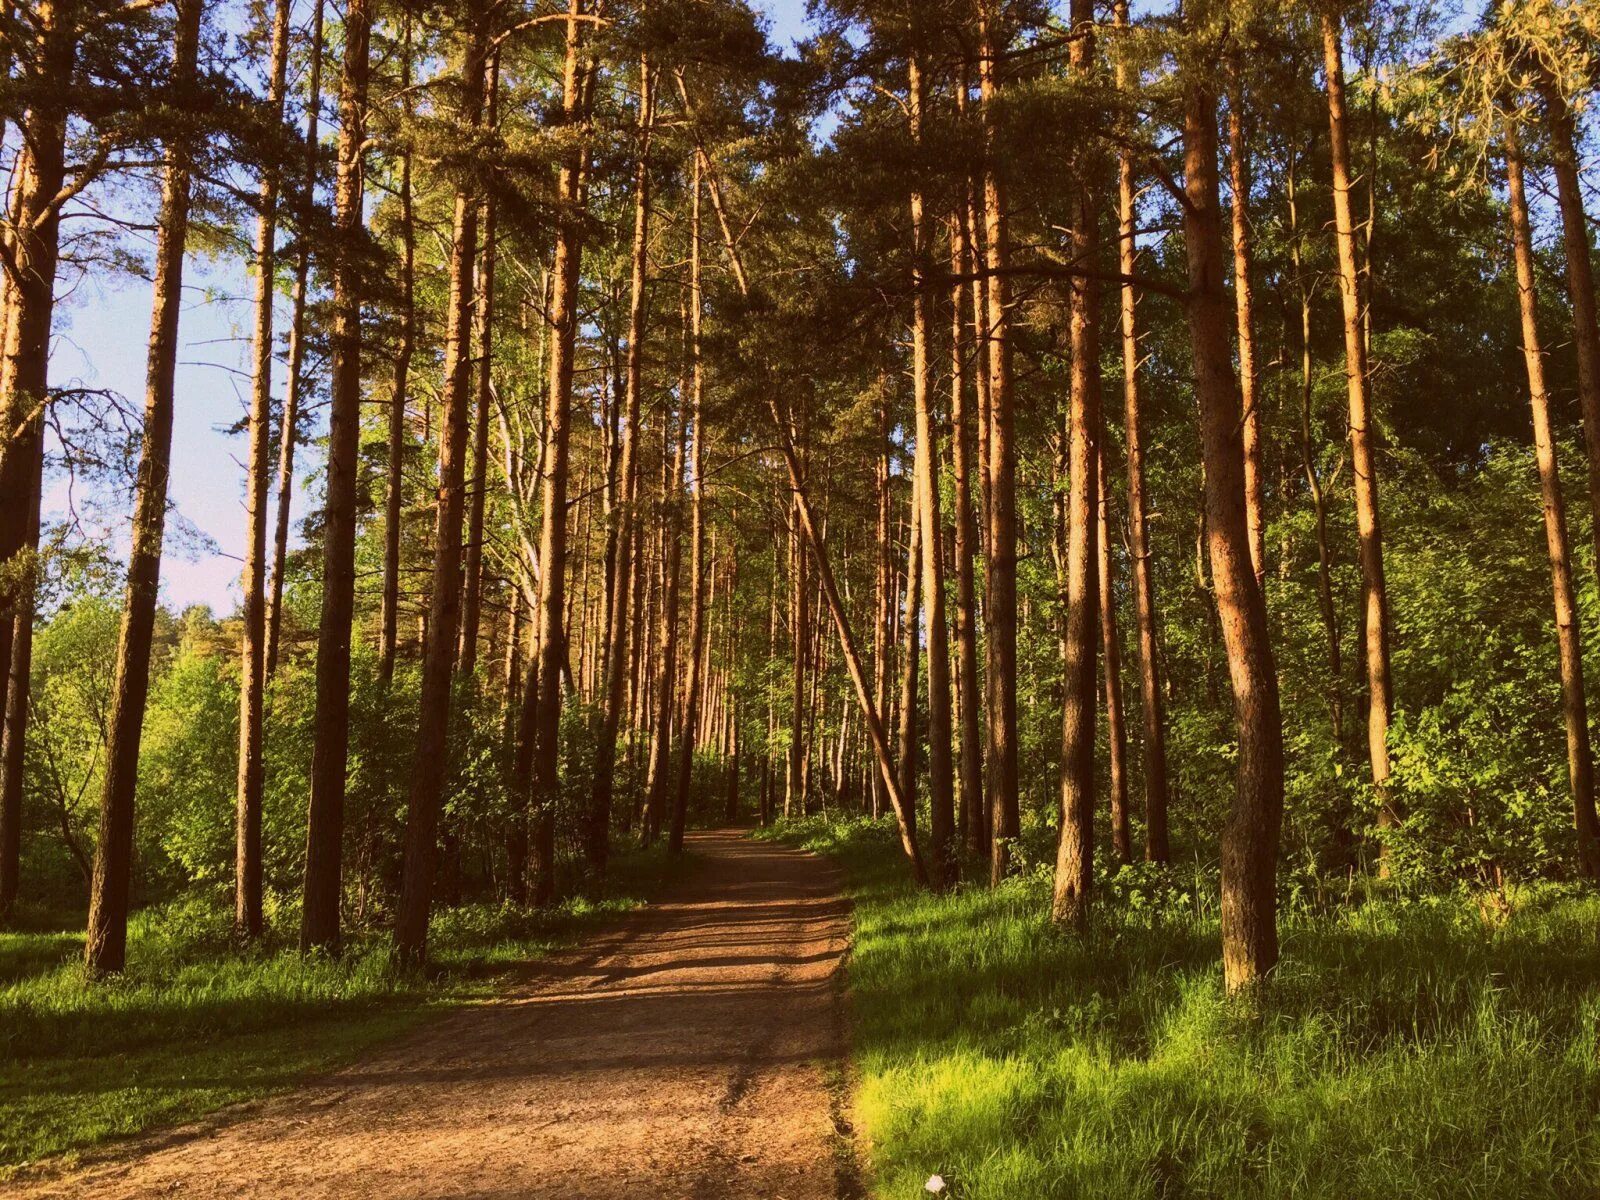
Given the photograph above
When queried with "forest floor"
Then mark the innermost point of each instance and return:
(1408, 1045)
(693, 1050)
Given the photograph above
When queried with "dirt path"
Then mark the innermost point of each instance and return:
(687, 1054)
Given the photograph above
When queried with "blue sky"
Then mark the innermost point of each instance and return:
(102, 329)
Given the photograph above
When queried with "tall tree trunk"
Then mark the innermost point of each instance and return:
(667, 646)
(553, 532)
(1250, 837)
(24, 391)
(394, 495)
(1000, 599)
(1308, 462)
(974, 826)
(942, 834)
(1111, 656)
(1562, 132)
(247, 920)
(106, 944)
(1245, 305)
(626, 586)
(1075, 851)
(697, 537)
(882, 646)
(1580, 757)
(445, 608)
(1369, 530)
(911, 652)
(794, 797)
(297, 350)
(472, 598)
(1144, 591)
(319, 928)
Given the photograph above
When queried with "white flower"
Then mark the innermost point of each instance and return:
(935, 1184)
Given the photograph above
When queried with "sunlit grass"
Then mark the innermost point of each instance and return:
(196, 1023)
(1405, 1049)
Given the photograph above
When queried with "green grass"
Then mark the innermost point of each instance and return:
(195, 1023)
(1405, 1048)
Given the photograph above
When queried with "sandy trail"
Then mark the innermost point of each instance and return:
(686, 1054)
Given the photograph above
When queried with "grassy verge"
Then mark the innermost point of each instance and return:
(1406, 1048)
(195, 1024)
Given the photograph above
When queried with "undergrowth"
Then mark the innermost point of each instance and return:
(1420, 1047)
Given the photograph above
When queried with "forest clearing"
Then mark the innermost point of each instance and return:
(991, 598)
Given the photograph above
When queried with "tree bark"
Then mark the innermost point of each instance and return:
(1245, 305)
(445, 607)
(319, 927)
(1580, 757)
(942, 834)
(106, 943)
(472, 599)
(394, 495)
(625, 589)
(1369, 529)
(297, 350)
(1562, 132)
(910, 653)
(247, 919)
(558, 422)
(1250, 837)
(666, 686)
(972, 815)
(1075, 851)
(693, 688)
(1144, 593)
(24, 394)
(1111, 657)
(1000, 599)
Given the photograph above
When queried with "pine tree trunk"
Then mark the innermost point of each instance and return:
(1000, 599)
(1111, 658)
(794, 796)
(297, 350)
(1561, 130)
(883, 612)
(1156, 848)
(394, 489)
(24, 391)
(1580, 757)
(472, 598)
(1250, 836)
(625, 588)
(667, 646)
(697, 538)
(972, 816)
(1369, 530)
(1081, 602)
(1308, 462)
(1244, 305)
(106, 944)
(942, 833)
(910, 653)
(445, 607)
(564, 304)
(319, 927)
(247, 919)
